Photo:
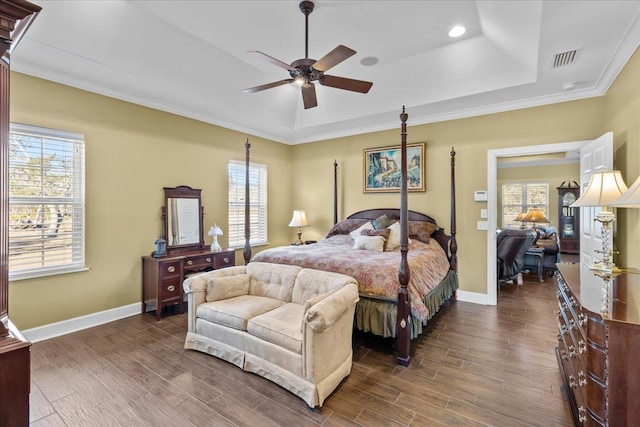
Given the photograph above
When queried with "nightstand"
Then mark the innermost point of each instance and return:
(162, 277)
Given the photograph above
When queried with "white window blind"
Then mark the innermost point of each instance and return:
(46, 201)
(520, 197)
(258, 203)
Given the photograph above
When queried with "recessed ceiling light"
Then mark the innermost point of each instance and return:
(457, 31)
(369, 61)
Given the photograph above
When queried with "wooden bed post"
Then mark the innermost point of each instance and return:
(404, 303)
(335, 192)
(247, 208)
(453, 247)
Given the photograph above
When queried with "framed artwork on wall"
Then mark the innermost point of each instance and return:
(382, 168)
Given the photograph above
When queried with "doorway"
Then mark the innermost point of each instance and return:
(492, 208)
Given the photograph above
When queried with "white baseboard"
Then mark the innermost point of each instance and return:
(473, 297)
(64, 327)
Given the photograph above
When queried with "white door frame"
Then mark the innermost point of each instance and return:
(492, 182)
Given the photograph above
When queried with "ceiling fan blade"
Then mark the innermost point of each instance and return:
(267, 86)
(346, 84)
(272, 60)
(333, 58)
(309, 95)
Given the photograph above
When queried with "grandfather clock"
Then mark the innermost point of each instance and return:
(569, 218)
(15, 358)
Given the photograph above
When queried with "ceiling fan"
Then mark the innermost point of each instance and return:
(305, 71)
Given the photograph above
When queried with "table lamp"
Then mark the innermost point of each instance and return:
(535, 216)
(299, 220)
(215, 231)
(519, 218)
(631, 198)
(603, 189)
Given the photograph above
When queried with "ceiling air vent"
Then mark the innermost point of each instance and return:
(565, 58)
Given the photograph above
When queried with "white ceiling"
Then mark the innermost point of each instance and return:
(189, 57)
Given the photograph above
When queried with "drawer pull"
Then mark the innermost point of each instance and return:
(226, 260)
(572, 381)
(171, 288)
(582, 379)
(563, 355)
(573, 301)
(209, 259)
(582, 319)
(189, 262)
(582, 414)
(582, 347)
(572, 351)
(572, 324)
(171, 269)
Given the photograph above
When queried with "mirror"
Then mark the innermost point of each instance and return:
(182, 216)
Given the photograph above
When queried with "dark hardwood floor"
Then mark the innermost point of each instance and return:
(474, 366)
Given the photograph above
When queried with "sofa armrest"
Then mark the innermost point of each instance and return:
(322, 315)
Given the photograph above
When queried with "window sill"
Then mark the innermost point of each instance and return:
(37, 275)
(257, 245)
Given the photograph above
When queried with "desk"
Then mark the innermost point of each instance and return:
(534, 257)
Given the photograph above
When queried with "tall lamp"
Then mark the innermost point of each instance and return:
(603, 189)
(535, 216)
(299, 220)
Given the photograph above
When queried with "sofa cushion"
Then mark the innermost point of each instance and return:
(227, 287)
(272, 280)
(235, 312)
(280, 326)
(311, 283)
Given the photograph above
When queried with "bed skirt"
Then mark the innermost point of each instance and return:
(379, 316)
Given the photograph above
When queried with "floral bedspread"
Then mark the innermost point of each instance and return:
(376, 272)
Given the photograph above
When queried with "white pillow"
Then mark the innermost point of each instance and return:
(366, 226)
(394, 237)
(370, 243)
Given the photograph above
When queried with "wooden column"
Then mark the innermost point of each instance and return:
(247, 206)
(15, 357)
(404, 301)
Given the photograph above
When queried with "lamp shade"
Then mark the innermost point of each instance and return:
(215, 230)
(299, 219)
(603, 189)
(520, 216)
(631, 198)
(535, 215)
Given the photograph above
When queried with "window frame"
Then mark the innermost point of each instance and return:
(235, 214)
(74, 202)
(524, 206)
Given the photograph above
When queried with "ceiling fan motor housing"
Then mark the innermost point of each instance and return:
(306, 7)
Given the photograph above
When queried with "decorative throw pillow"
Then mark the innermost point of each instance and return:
(227, 287)
(346, 226)
(384, 233)
(369, 243)
(355, 233)
(421, 230)
(394, 237)
(382, 222)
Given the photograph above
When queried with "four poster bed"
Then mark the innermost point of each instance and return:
(402, 283)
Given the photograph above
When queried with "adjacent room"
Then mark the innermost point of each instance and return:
(435, 222)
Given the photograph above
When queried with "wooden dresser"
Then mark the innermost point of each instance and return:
(162, 277)
(598, 354)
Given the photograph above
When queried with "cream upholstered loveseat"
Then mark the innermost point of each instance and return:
(289, 324)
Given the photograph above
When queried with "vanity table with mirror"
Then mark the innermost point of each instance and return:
(598, 344)
(186, 253)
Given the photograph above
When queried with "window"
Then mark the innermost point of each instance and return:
(519, 197)
(258, 203)
(46, 201)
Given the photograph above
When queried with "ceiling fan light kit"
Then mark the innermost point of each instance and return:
(305, 71)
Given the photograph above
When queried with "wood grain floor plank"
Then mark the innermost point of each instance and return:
(473, 366)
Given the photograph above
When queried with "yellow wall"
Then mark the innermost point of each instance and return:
(472, 137)
(553, 175)
(132, 152)
(622, 116)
